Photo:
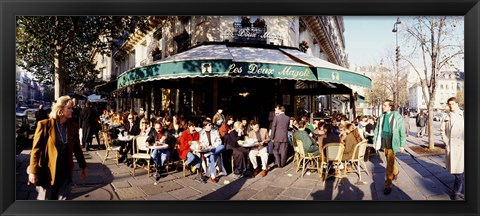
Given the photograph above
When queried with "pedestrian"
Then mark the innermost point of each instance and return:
(51, 162)
(452, 132)
(87, 119)
(279, 136)
(406, 121)
(41, 114)
(421, 121)
(389, 134)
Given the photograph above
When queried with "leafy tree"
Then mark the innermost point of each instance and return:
(60, 50)
(435, 44)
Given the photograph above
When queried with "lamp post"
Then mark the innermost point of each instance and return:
(396, 93)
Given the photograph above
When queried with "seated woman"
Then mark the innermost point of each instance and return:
(350, 138)
(186, 138)
(240, 154)
(309, 145)
(210, 138)
(145, 126)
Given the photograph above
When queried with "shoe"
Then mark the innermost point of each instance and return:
(247, 173)
(395, 176)
(255, 172)
(263, 173)
(387, 191)
(214, 180)
(157, 176)
(193, 169)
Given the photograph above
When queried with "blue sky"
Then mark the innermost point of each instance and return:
(368, 37)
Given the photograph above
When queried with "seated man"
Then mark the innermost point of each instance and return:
(261, 135)
(308, 144)
(159, 156)
(210, 138)
(184, 151)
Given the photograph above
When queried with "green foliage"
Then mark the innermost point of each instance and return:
(73, 42)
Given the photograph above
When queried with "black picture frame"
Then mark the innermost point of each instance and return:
(9, 9)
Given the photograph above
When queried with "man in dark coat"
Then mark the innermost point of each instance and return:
(279, 136)
(41, 114)
(87, 120)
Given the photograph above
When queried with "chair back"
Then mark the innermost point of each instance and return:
(140, 143)
(333, 151)
(359, 150)
(300, 148)
(106, 139)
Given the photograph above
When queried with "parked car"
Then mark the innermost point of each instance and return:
(26, 118)
(439, 116)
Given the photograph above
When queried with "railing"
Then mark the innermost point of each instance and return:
(249, 33)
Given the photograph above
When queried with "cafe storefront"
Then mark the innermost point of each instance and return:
(245, 80)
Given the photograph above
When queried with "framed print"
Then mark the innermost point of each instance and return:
(222, 73)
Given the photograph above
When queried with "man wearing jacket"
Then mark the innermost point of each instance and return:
(452, 132)
(390, 135)
(279, 136)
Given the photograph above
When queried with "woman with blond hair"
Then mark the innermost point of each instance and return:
(51, 162)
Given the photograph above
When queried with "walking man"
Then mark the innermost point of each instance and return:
(421, 121)
(389, 134)
(280, 136)
(452, 132)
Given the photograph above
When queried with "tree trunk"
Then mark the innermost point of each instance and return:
(431, 143)
(59, 75)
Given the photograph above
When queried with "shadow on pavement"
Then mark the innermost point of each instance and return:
(227, 191)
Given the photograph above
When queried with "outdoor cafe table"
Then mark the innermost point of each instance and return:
(128, 140)
(202, 153)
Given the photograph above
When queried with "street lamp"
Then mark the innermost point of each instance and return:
(396, 93)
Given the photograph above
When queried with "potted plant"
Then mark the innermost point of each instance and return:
(260, 23)
(304, 46)
(246, 22)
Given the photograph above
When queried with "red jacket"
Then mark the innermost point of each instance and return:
(184, 147)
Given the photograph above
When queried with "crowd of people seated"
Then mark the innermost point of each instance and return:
(223, 137)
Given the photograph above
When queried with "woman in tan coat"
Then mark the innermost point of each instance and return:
(51, 160)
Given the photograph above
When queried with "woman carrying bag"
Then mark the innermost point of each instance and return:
(51, 160)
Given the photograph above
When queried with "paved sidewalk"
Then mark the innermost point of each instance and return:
(420, 178)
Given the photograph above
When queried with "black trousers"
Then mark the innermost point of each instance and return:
(280, 153)
(240, 156)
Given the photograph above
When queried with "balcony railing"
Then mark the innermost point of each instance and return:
(249, 34)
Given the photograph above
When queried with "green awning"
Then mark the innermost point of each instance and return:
(330, 72)
(219, 60)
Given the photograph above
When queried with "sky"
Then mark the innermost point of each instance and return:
(368, 38)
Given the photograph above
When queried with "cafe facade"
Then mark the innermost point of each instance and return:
(196, 65)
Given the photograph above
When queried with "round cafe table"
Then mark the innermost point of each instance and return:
(201, 153)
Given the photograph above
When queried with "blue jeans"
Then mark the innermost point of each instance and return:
(160, 157)
(213, 158)
(458, 184)
(193, 160)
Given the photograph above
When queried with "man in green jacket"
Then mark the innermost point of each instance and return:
(390, 135)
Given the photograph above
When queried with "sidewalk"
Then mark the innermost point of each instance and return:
(420, 178)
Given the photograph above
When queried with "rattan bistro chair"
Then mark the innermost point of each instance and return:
(110, 148)
(304, 159)
(332, 154)
(358, 159)
(141, 151)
